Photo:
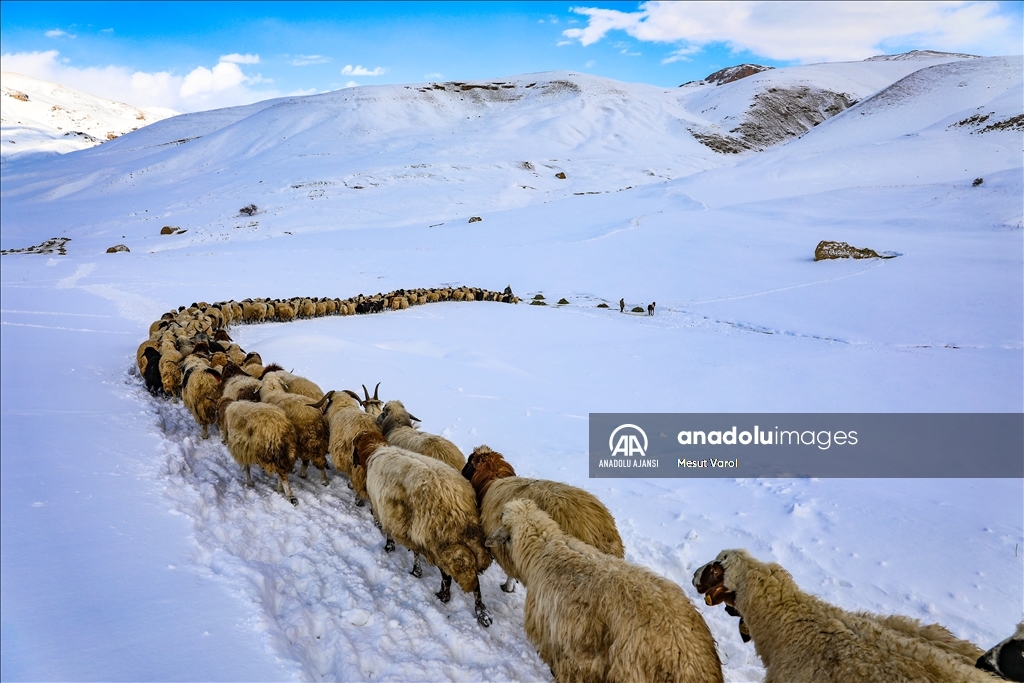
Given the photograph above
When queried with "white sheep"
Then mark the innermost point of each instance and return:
(578, 512)
(595, 617)
(292, 383)
(396, 423)
(430, 509)
(803, 639)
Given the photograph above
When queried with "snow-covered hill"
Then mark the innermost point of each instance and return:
(132, 551)
(38, 116)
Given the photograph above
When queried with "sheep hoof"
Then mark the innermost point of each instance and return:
(294, 500)
(509, 586)
(360, 502)
(389, 546)
(444, 595)
(483, 618)
(350, 484)
(416, 571)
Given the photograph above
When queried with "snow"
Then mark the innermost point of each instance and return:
(132, 551)
(41, 117)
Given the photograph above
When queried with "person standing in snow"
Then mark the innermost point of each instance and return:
(622, 305)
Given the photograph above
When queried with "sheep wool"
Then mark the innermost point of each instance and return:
(803, 639)
(260, 434)
(430, 509)
(595, 617)
(577, 512)
(396, 423)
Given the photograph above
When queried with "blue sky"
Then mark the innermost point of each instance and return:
(190, 56)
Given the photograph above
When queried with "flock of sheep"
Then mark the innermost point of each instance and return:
(592, 615)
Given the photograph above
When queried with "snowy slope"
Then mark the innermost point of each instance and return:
(38, 116)
(773, 106)
(130, 549)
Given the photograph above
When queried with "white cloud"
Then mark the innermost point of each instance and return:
(351, 84)
(306, 60)
(809, 31)
(236, 58)
(359, 70)
(57, 33)
(223, 85)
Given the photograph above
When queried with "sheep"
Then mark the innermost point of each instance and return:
(346, 421)
(803, 639)
(151, 371)
(170, 371)
(259, 434)
(201, 392)
(293, 384)
(428, 508)
(234, 379)
(284, 311)
(311, 435)
(579, 513)
(1007, 658)
(396, 423)
(596, 617)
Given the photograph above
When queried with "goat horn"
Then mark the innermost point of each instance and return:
(321, 405)
(375, 392)
(367, 392)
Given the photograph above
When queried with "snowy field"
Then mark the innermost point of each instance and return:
(131, 549)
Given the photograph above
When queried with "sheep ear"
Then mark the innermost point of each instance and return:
(500, 536)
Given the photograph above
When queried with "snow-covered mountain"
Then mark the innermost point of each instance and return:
(131, 549)
(38, 116)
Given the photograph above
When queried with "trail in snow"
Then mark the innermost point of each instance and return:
(320, 581)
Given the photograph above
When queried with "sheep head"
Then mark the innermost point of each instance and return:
(483, 468)
(231, 370)
(709, 581)
(364, 446)
(395, 415)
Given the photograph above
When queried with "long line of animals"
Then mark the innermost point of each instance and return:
(592, 615)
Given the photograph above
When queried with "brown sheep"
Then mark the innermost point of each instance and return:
(595, 617)
(201, 392)
(259, 434)
(430, 509)
(579, 513)
(311, 435)
(396, 423)
(347, 420)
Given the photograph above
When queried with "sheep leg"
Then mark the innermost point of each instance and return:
(323, 476)
(482, 617)
(416, 570)
(302, 470)
(286, 489)
(206, 432)
(445, 594)
(248, 476)
(509, 586)
(389, 545)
